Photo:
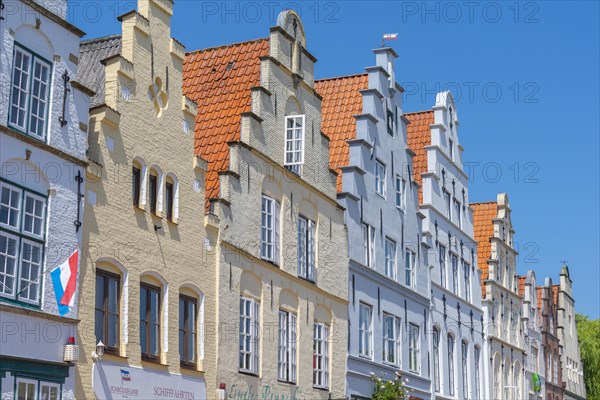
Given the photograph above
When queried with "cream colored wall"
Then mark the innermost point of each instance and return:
(120, 236)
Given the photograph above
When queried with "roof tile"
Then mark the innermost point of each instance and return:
(483, 227)
(419, 136)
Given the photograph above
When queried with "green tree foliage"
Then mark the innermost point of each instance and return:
(389, 389)
(589, 343)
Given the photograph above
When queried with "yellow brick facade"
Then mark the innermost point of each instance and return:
(144, 122)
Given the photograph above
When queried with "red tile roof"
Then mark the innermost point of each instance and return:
(483, 227)
(555, 290)
(419, 136)
(540, 295)
(341, 101)
(219, 79)
(522, 280)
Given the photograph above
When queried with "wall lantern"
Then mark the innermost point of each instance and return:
(97, 355)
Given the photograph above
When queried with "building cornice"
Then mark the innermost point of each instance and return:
(8, 308)
(53, 17)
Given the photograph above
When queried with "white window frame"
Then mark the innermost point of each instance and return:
(10, 206)
(380, 178)
(39, 386)
(35, 198)
(414, 348)
(306, 249)
(465, 367)
(467, 280)
(390, 258)
(447, 204)
(457, 213)
(451, 366)
(286, 365)
(454, 267)
(365, 329)
(27, 110)
(451, 149)
(368, 245)
(442, 262)
(294, 145)
(392, 341)
(409, 268)
(270, 229)
(400, 192)
(249, 356)
(477, 355)
(321, 355)
(436, 359)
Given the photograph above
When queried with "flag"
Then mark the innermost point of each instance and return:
(390, 36)
(64, 279)
(125, 375)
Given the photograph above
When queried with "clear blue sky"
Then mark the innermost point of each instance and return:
(525, 77)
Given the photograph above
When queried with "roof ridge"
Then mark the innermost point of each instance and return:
(418, 112)
(341, 77)
(482, 202)
(228, 45)
(100, 39)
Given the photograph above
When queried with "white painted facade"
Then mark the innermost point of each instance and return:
(532, 325)
(40, 207)
(380, 295)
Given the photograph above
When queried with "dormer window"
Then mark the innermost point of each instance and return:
(294, 142)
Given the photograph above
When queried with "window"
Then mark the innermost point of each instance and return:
(447, 204)
(454, 265)
(365, 327)
(136, 183)
(409, 268)
(30, 389)
(391, 339)
(306, 249)
(249, 341)
(368, 245)
(294, 142)
(465, 369)
(269, 234)
(535, 359)
(22, 226)
(517, 382)
(413, 348)
(457, 218)
(29, 93)
(442, 257)
(497, 388)
(507, 381)
(451, 364)
(549, 367)
(107, 310)
(188, 309)
(477, 373)
(436, 358)
(287, 346)
(150, 321)
(400, 196)
(390, 122)
(451, 149)
(390, 258)
(467, 277)
(169, 200)
(153, 190)
(321, 356)
(555, 368)
(380, 178)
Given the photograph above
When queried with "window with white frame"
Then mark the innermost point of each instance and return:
(269, 233)
(368, 245)
(457, 217)
(555, 368)
(447, 204)
(442, 260)
(365, 326)
(390, 258)
(465, 368)
(249, 340)
(27, 388)
(400, 192)
(414, 348)
(30, 90)
(294, 142)
(436, 358)
(467, 278)
(517, 381)
(306, 249)
(380, 178)
(535, 359)
(391, 339)
(321, 355)
(22, 241)
(451, 365)
(477, 355)
(454, 267)
(287, 346)
(409, 268)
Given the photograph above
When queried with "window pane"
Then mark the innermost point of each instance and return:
(31, 263)
(39, 98)
(20, 88)
(8, 262)
(10, 204)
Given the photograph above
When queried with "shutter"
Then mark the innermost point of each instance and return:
(311, 251)
(276, 236)
(292, 347)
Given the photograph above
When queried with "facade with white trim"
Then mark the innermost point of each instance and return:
(43, 139)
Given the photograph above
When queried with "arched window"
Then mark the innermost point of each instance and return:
(517, 380)
(508, 385)
(191, 319)
(465, 368)
(497, 377)
(111, 314)
(155, 178)
(436, 358)
(451, 369)
(322, 323)
(153, 316)
(287, 335)
(477, 357)
(172, 198)
(250, 295)
(138, 182)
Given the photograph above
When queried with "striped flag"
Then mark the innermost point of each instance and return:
(390, 36)
(64, 279)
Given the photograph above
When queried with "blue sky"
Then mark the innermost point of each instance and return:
(525, 77)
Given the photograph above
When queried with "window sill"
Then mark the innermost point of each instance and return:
(152, 360)
(249, 373)
(314, 282)
(139, 207)
(370, 358)
(323, 388)
(287, 382)
(381, 195)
